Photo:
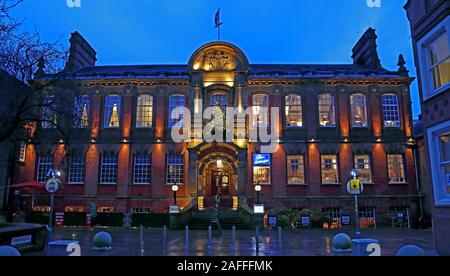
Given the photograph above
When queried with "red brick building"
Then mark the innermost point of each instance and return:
(430, 27)
(332, 118)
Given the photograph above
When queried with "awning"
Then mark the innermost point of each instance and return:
(28, 185)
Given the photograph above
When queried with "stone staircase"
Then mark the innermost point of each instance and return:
(228, 219)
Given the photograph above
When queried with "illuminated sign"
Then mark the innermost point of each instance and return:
(258, 209)
(261, 160)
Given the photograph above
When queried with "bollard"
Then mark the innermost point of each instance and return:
(280, 236)
(164, 240)
(233, 240)
(141, 238)
(257, 241)
(186, 245)
(209, 238)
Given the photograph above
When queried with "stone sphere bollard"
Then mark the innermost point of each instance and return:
(8, 251)
(342, 243)
(411, 251)
(102, 241)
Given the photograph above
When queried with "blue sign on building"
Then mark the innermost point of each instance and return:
(261, 160)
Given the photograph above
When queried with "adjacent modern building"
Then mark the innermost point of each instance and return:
(430, 26)
(331, 119)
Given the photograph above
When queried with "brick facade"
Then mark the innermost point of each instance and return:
(311, 140)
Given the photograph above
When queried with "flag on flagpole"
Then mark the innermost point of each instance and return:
(217, 19)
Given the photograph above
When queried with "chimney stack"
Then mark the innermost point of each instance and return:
(81, 53)
(365, 51)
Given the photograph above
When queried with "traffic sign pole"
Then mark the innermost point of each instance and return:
(358, 233)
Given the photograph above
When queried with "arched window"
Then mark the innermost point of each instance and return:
(391, 114)
(359, 110)
(112, 111)
(175, 114)
(81, 112)
(294, 110)
(327, 114)
(260, 110)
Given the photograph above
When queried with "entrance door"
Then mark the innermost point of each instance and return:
(220, 181)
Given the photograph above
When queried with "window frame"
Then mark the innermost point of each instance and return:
(354, 107)
(112, 166)
(22, 152)
(321, 105)
(293, 100)
(46, 167)
(403, 169)
(322, 164)
(257, 107)
(49, 115)
(389, 113)
(301, 166)
(141, 107)
(424, 59)
(81, 168)
(441, 194)
(109, 106)
(78, 112)
(265, 167)
(172, 106)
(146, 168)
(366, 162)
(171, 158)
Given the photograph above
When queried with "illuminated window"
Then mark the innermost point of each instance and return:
(294, 110)
(22, 151)
(329, 169)
(45, 163)
(175, 170)
(176, 109)
(76, 169)
(362, 164)
(327, 115)
(108, 169)
(296, 169)
(334, 215)
(367, 218)
(112, 111)
(262, 172)
(260, 110)
(396, 168)
(439, 61)
(144, 114)
(219, 100)
(142, 169)
(391, 112)
(81, 112)
(49, 113)
(359, 110)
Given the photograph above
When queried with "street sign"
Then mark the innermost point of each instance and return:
(52, 185)
(345, 220)
(355, 187)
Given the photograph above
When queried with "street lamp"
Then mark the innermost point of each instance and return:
(175, 190)
(258, 189)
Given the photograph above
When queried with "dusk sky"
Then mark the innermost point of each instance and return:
(268, 31)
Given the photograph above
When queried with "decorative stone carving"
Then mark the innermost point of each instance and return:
(218, 60)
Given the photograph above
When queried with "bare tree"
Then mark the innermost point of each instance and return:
(26, 105)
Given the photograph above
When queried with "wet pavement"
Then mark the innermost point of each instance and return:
(311, 242)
